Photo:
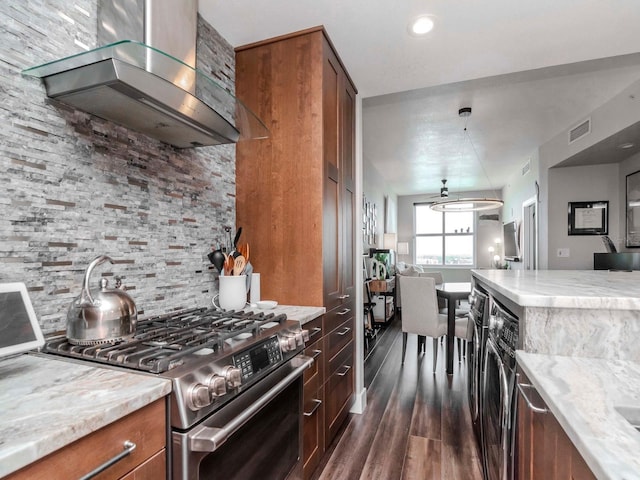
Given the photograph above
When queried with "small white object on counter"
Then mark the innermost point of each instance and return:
(267, 304)
(254, 293)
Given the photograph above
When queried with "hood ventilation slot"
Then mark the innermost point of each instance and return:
(580, 131)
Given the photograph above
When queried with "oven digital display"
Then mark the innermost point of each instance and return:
(259, 358)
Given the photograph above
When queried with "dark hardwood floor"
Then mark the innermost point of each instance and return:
(416, 425)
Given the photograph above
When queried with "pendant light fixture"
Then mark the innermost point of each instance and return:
(469, 204)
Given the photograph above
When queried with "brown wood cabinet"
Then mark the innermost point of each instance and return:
(295, 201)
(543, 448)
(145, 427)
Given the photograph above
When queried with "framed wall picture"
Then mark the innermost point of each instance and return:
(633, 210)
(589, 218)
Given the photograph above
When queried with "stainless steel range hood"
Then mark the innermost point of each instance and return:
(147, 90)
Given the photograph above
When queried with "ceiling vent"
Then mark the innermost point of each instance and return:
(580, 131)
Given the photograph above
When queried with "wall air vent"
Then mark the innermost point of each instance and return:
(526, 168)
(580, 131)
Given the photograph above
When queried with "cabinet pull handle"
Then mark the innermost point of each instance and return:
(342, 297)
(316, 354)
(343, 312)
(316, 406)
(521, 387)
(129, 447)
(346, 370)
(315, 331)
(344, 332)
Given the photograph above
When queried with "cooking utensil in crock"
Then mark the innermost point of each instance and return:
(237, 237)
(107, 316)
(217, 259)
(238, 265)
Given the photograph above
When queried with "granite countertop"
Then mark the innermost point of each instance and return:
(47, 403)
(583, 393)
(293, 312)
(579, 289)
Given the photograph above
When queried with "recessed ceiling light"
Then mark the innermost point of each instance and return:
(421, 25)
(626, 145)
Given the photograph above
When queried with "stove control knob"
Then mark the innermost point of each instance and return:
(198, 396)
(495, 323)
(288, 342)
(233, 376)
(305, 335)
(217, 385)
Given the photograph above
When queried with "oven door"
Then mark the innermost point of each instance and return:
(256, 435)
(495, 403)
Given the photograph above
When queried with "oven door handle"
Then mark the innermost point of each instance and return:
(209, 439)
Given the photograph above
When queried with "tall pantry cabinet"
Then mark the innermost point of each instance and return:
(295, 201)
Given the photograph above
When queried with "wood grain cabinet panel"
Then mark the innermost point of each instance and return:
(543, 449)
(145, 427)
(295, 197)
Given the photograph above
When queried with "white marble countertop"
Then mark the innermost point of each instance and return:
(47, 403)
(582, 394)
(293, 312)
(580, 289)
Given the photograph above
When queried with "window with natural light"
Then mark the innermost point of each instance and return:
(444, 238)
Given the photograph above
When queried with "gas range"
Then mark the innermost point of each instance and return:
(210, 356)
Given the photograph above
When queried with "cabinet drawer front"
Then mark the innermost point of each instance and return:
(313, 436)
(145, 427)
(315, 373)
(339, 394)
(155, 467)
(338, 315)
(336, 340)
(340, 362)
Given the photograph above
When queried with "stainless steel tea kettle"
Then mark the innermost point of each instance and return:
(107, 316)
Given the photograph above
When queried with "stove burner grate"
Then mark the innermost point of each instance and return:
(163, 342)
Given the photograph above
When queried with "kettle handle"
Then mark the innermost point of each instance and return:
(85, 295)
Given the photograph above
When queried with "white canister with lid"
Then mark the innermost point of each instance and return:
(254, 293)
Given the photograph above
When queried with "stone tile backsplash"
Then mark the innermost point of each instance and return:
(74, 186)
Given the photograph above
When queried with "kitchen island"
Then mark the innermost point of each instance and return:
(590, 313)
(578, 345)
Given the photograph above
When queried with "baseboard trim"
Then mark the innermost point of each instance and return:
(360, 402)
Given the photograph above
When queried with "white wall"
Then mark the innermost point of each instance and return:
(375, 190)
(580, 184)
(630, 165)
(520, 189)
(620, 112)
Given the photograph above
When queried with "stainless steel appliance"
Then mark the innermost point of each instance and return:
(478, 316)
(497, 399)
(236, 405)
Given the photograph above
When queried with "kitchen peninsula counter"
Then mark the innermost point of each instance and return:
(580, 289)
(47, 403)
(588, 313)
(582, 394)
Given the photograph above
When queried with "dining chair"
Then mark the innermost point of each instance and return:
(420, 314)
(437, 276)
(463, 333)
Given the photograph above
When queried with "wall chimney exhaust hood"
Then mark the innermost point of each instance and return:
(144, 77)
(149, 91)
